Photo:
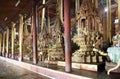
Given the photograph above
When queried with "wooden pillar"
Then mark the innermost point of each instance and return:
(7, 42)
(12, 38)
(104, 26)
(61, 10)
(35, 55)
(109, 33)
(77, 5)
(20, 37)
(119, 11)
(67, 37)
(48, 20)
(96, 3)
(39, 23)
(49, 24)
(3, 48)
(43, 16)
(0, 44)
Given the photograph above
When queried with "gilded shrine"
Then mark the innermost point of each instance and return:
(60, 39)
(88, 33)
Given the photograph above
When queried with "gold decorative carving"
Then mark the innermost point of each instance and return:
(88, 33)
(27, 42)
(56, 52)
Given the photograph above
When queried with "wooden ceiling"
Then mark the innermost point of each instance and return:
(9, 12)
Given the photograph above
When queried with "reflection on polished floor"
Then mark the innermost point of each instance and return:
(89, 74)
(10, 71)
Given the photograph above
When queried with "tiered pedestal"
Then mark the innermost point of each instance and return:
(86, 66)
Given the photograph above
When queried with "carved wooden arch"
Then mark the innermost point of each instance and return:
(80, 21)
(97, 23)
(91, 23)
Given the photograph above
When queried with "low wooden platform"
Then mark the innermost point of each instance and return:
(86, 66)
(51, 62)
(110, 65)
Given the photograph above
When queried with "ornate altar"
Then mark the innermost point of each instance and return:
(43, 44)
(56, 52)
(51, 44)
(27, 44)
(88, 33)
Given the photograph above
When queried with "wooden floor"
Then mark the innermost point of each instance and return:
(89, 74)
(10, 71)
